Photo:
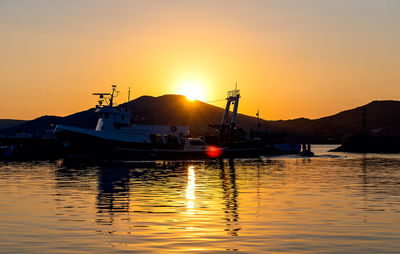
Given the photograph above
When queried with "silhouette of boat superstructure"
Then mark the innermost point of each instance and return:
(116, 138)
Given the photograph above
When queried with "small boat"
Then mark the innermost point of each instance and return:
(306, 151)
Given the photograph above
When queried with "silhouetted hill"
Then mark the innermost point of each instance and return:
(9, 123)
(44, 125)
(382, 118)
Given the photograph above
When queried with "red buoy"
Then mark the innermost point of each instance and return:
(213, 151)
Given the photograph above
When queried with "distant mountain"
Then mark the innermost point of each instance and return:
(9, 123)
(381, 118)
(44, 125)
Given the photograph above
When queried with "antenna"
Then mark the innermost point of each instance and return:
(110, 99)
(101, 98)
(112, 95)
(101, 94)
(129, 97)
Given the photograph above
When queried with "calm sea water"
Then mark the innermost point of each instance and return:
(332, 203)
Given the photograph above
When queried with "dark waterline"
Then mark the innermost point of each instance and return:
(331, 203)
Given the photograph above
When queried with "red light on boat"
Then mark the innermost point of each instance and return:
(213, 151)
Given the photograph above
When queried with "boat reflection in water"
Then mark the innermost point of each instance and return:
(228, 180)
(113, 194)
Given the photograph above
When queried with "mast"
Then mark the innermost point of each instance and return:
(112, 95)
(129, 94)
(226, 113)
(129, 97)
(233, 97)
(225, 127)
(111, 99)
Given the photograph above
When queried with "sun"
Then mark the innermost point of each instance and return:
(192, 90)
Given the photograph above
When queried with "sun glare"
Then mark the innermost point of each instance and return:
(192, 90)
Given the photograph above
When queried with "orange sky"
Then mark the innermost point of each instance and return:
(290, 58)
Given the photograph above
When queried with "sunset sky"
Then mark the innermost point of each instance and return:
(290, 58)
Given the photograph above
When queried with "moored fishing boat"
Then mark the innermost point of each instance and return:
(115, 137)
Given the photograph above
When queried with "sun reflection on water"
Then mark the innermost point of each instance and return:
(190, 190)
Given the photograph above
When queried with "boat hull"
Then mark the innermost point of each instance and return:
(85, 146)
